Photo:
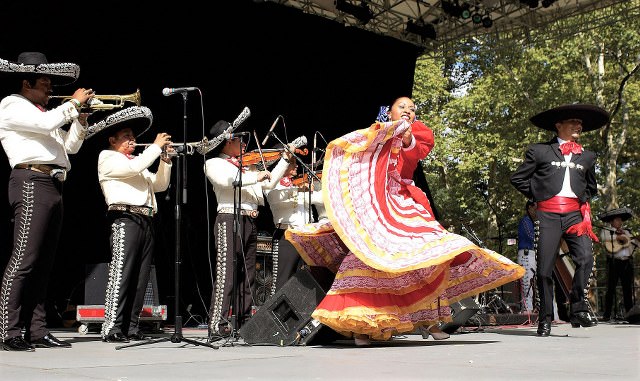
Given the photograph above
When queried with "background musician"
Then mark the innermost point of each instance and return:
(129, 191)
(289, 204)
(38, 150)
(237, 188)
(617, 242)
(527, 256)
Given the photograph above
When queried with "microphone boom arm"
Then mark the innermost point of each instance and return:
(306, 167)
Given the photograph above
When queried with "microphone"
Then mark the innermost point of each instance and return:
(175, 90)
(317, 149)
(270, 131)
(233, 135)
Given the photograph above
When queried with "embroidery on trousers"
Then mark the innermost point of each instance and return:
(536, 234)
(274, 262)
(221, 273)
(115, 277)
(24, 221)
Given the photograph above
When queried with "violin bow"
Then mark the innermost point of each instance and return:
(259, 150)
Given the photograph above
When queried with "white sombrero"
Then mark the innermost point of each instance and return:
(138, 118)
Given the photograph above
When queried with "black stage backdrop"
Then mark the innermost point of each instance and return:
(275, 60)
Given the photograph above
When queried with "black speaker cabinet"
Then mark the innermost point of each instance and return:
(95, 285)
(461, 312)
(633, 315)
(285, 318)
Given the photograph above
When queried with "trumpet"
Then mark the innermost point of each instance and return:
(105, 102)
(192, 147)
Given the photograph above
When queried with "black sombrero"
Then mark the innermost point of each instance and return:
(623, 213)
(593, 117)
(35, 64)
(138, 118)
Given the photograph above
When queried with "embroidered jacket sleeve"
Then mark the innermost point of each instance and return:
(128, 181)
(31, 135)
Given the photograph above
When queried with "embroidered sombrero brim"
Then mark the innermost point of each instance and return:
(138, 118)
(593, 117)
(60, 73)
(623, 213)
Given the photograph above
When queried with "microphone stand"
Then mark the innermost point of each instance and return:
(302, 164)
(234, 303)
(181, 173)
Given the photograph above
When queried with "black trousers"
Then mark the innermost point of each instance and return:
(552, 228)
(132, 243)
(619, 269)
(36, 201)
(235, 271)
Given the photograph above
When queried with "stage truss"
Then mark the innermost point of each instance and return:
(509, 18)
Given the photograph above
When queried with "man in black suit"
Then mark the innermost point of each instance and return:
(559, 176)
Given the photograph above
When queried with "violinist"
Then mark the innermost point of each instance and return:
(225, 173)
(618, 243)
(289, 203)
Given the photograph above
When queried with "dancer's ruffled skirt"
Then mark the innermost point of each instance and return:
(401, 268)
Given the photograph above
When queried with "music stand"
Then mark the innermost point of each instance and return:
(181, 186)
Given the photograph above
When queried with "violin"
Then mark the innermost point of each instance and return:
(304, 178)
(270, 156)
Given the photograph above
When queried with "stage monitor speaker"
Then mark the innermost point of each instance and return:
(461, 312)
(285, 318)
(95, 285)
(633, 315)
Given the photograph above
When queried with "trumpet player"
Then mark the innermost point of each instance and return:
(37, 148)
(129, 191)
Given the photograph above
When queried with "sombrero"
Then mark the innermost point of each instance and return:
(592, 117)
(218, 134)
(35, 64)
(138, 118)
(623, 213)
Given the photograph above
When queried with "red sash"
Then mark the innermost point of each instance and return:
(559, 204)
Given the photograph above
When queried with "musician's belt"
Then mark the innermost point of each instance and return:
(284, 226)
(143, 210)
(243, 212)
(57, 172)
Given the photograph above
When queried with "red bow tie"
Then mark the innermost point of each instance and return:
(286, 182)
(570, 147)
(235, 161)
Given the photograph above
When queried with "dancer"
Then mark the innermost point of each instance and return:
(403, 269)
(559, 175)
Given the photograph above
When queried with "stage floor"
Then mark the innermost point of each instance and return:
(609, 351)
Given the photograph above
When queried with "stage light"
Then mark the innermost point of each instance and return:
(476, 18)
(487, 22)
(361, 12)
(421, 29)
(451, 8)
(466, 12)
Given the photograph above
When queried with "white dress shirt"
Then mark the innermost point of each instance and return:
(128, 181)
(289, 206)
(222, 174)
(30, 135)
(566, 190)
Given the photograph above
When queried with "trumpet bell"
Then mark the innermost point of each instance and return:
(106, 102)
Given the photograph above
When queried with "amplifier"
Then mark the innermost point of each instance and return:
(265, 244)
